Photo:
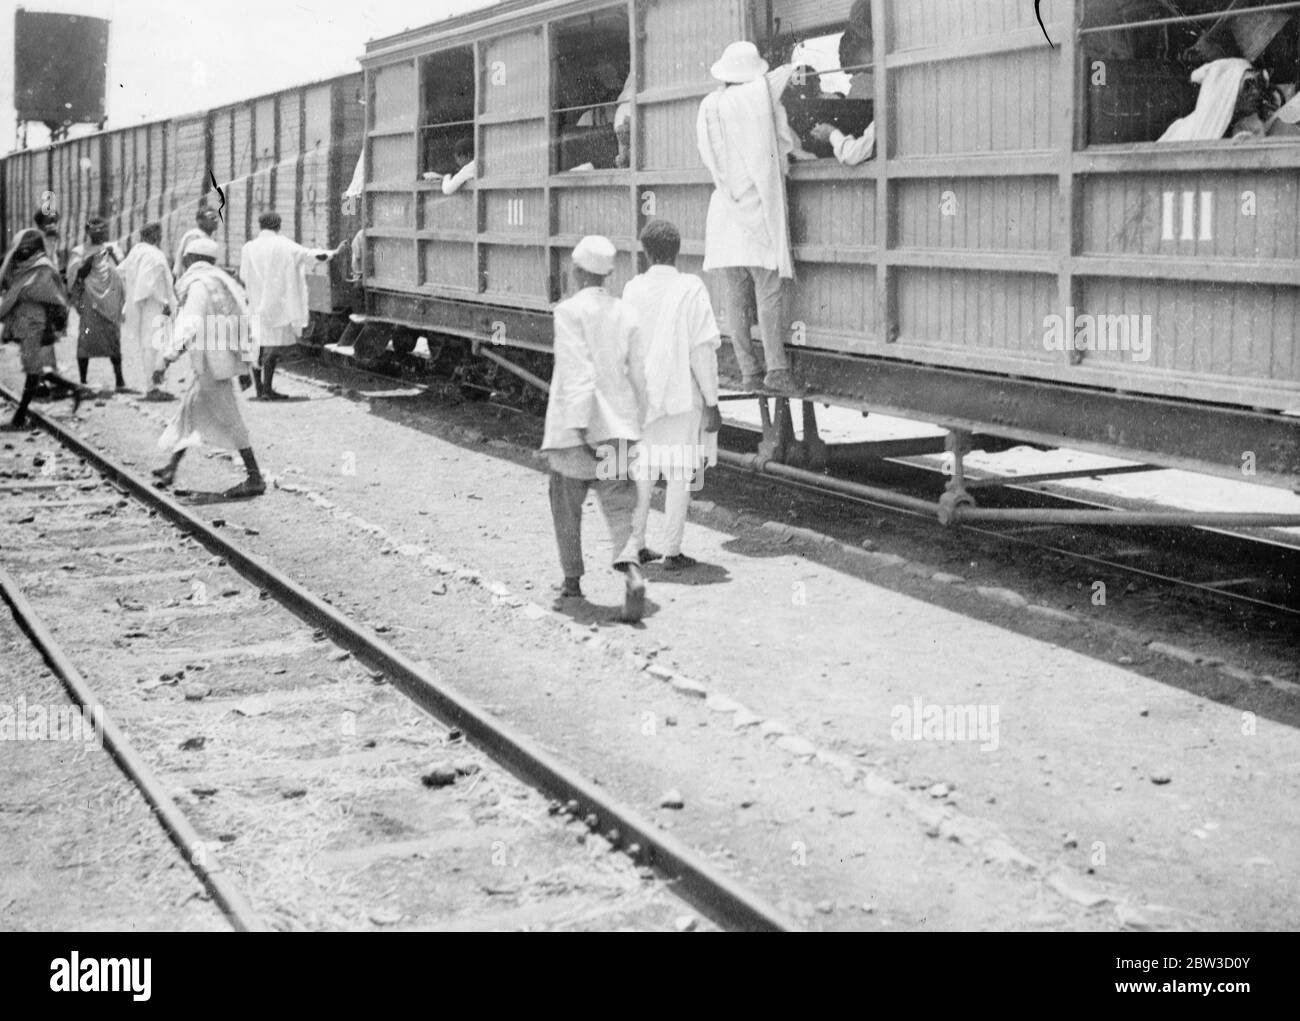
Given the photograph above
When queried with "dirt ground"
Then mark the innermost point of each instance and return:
(869, 740)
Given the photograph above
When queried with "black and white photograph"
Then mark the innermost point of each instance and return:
(652, 466)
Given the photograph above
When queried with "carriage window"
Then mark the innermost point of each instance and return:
(1192, 71)
(447, 115)
(594, 91)
(830, 98)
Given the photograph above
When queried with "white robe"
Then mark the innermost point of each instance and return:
(598, 382)
(745, 141)
(681, 340)
(148, 284)
(274, 270)
(209, 411)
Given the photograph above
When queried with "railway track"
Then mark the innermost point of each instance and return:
(311, 774)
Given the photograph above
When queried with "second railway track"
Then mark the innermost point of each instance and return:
(311, 775)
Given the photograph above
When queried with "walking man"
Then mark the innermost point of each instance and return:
(274, 269)
(680, 337)
(745, 142)
(34, 311)
(211, 306)
(593, 420)
(98, 296)
(147, 281)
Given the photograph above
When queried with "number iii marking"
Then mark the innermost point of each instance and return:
(1187, 222)
(515, 212)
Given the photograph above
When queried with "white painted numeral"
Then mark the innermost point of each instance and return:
(1187, 227)
(515, 212)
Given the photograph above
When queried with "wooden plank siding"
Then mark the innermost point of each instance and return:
(982, 215)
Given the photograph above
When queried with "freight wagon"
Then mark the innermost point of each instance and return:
(293, 151)
(1017, 188)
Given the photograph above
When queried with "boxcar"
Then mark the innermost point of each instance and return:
(1017, 178)
(293, 151)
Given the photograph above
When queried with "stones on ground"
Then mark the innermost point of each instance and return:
(253, 706)
(744, 718)
(796, 745)
(1072, 890)
(672, 798)
(466, 767)
(770, 727)
(686, 923)
(1002, 595)
(719, 703)
(192, 744)
(689, 688)
(442, 775)
(939, 790)
(1070, 841)
(195, 691)
(1161, 778)
(203, 792)
(670, 721)
(439, 588)
(386, 916)
(340, 655)
(662, 672)
(826, 907)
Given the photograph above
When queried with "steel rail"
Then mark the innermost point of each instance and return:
(694, 879)
(234, 905)
(871, 496)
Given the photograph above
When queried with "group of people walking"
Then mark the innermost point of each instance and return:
(633, 399)
(135, 300)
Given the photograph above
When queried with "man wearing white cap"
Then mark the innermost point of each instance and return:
(593, 419)
(214, 312)
(745, 141)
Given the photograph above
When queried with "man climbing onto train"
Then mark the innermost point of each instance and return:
(274, 269)
(680, 338)
(593, 420)
(745, 141)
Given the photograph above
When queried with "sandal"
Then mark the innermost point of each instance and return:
(251, 486)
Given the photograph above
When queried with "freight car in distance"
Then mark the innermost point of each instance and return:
(1021, 257)
(293, 151)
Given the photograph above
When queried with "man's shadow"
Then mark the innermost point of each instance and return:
(700, 574)
(202, 497)
(582, 611)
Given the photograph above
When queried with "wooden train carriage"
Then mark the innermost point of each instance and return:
(1017, 183)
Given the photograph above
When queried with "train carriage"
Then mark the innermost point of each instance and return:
(294, 151)
(1021, 257)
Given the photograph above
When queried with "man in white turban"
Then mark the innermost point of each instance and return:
(213, 327)
(593, 420)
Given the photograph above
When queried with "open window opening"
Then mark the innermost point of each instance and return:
(830, 101)
(594, 92)
(447, 118)
(1190, 70)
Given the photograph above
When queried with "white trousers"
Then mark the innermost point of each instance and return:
(677, 498)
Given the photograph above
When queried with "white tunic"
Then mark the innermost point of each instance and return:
(148, 284)
(675, 316)
(274, 270)
(745, 142)
(598, 382)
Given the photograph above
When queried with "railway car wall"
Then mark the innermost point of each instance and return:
(984, 217)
